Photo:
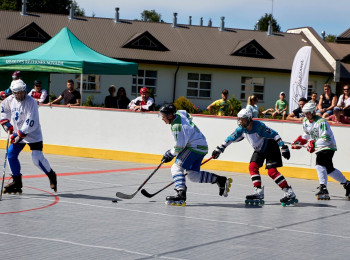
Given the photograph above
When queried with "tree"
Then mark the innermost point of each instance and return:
(330, 38)
(264, 23)
(151, 16)
(42, 6)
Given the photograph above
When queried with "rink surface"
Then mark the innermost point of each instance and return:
(82, 222)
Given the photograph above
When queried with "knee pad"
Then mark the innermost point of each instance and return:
(40, 161)
(178, 175)
(322, 174)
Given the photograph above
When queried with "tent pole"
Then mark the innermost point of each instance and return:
(81, 89)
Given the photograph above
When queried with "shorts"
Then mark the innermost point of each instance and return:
(325, 158)
(329, 112)
(189, 160)
(272, 155)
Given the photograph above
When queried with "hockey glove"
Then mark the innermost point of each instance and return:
(17, 137)
(216, 153)
(310, 146)
(6, 125)
(2, 94)
(299, 142)
(168, 156)
(285, 151)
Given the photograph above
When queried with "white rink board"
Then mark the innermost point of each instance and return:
(124, 130)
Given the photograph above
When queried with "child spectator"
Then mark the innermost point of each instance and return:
(281, 107)
(313, 99)
(297, 114)
(337, 117)
(38, 93)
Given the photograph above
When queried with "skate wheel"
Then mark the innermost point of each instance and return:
(229, 186)
(318, 198)
(246, 202)
(262, 202)
(256, 203)
(283, 204)
(183, 204)
(230, 180)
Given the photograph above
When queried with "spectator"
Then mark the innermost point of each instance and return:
(313, 98)
(297, 114)
(15, 76)
(281, 107)
(328, 101)
(39, 94)
(111, 100)
(224, 108)
(70, 96)
(252, 106)
(337, 117)
(142, 103)
(122, 99)
(344, 101)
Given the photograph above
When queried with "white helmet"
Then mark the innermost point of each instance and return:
(309, 107)
(244, 113)
(18, 86)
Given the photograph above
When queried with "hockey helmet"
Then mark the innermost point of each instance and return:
(143, 90)
(244, 117)
(167, 109)
(16, 75)
(18, 86)
(19, 89)
(309, 107)
(37, 82)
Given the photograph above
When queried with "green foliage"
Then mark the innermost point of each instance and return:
(183, 103)
(236, 104)
(89, 102)
(151, 16)
(330, 38)
(264, 23)
(42, 6)
(52, 97)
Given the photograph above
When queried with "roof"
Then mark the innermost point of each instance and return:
(187, 44)
(343, 52)
(65, 53)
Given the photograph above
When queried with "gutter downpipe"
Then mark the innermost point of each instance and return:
(175, 77)
(81, 88)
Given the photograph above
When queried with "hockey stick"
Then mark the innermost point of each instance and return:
(4, 170)
(299, 145)
(148, 195)
(127, 196)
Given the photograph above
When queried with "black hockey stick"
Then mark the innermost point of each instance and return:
(148, 195)
(127, 196)
(4, 170)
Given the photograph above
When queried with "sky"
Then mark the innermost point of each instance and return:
(331, 16)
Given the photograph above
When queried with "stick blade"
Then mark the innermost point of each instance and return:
(125, 196)
(146, 194)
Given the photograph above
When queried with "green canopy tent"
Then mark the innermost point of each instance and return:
(65, 53)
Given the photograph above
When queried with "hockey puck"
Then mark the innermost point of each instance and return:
(114, 201)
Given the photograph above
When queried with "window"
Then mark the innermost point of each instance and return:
(146, 78)
(311, 87)
(252, 86)
(91, 83)
(199, 85)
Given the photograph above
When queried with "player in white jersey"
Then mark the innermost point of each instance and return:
(319, 137)
(266, 143)
(190, 148)
(22, 111)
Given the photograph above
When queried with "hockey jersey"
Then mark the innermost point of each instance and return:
(23, 116)
(320, 131)
(256, 136)
(187, 135)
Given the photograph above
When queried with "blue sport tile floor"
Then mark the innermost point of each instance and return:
(82, 222)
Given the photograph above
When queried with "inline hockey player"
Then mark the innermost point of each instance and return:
(266, 143)
(190, 148)
(22, 111)
(319, 137)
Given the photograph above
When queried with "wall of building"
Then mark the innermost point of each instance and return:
(221, 78)
(144, 137)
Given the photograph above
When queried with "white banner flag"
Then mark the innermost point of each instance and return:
(299, 77)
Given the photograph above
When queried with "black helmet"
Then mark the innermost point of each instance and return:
(37, 82)
(168, 109)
